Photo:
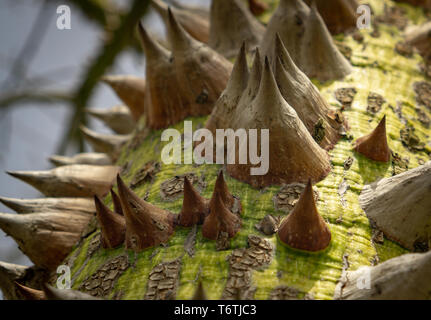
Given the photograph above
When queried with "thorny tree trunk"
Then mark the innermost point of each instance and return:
(236, 253)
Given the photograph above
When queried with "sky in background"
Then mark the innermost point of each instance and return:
(30, 133)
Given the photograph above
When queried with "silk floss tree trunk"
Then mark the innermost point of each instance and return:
(345, 195)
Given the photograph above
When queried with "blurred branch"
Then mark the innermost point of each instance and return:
(32, 96)
(119, 28)
(30, 47)
(48, 78)
(120, 39)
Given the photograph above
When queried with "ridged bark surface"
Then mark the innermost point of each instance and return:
(313, 275)
(269, 266)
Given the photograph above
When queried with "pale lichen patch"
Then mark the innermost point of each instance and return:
(269, 224)
(146, 174)
(375, 102)
(163, 281)
(242, 262)
(101, 283)
(345, 96)
(172, 189)
(284, 292)
(288, 195)
(423, 92)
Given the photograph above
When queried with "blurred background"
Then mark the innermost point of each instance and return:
(48, 76)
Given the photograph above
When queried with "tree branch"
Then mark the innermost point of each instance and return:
(120, 39)
(32, 96)
(30, 47)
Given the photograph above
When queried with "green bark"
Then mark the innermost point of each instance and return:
(377, 68)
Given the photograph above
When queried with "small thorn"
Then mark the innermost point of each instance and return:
(195, 207)
(58, 160)
(110, 144)
(153, 50)
(74, 205)
(399, 207)
(118, 118)
(46, 238)
(146, 224)
(321, 58)
(231, 24)
(268, 98)
(239, 76)
(406, 277)
(14, 204)
(28, 176)
(197, 73)
(253, 84)
(92, 158)
(375, 145)
(163, 109)
(243, 104)
(194, 20)
(220, 219)
(200, 293)
(289, 21)
(9, 273)
(29, 293)
(117, 203)
(304, 228)
(303, 96)
(256, 71)
(268, 88)
(221, 189)
(78, 180)
(291, 145)
(179, 38)
(225, 107)
(52, 293)
(113, 225)
(131, 90)
(28, 276)
(339, 15)
(288, 64)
